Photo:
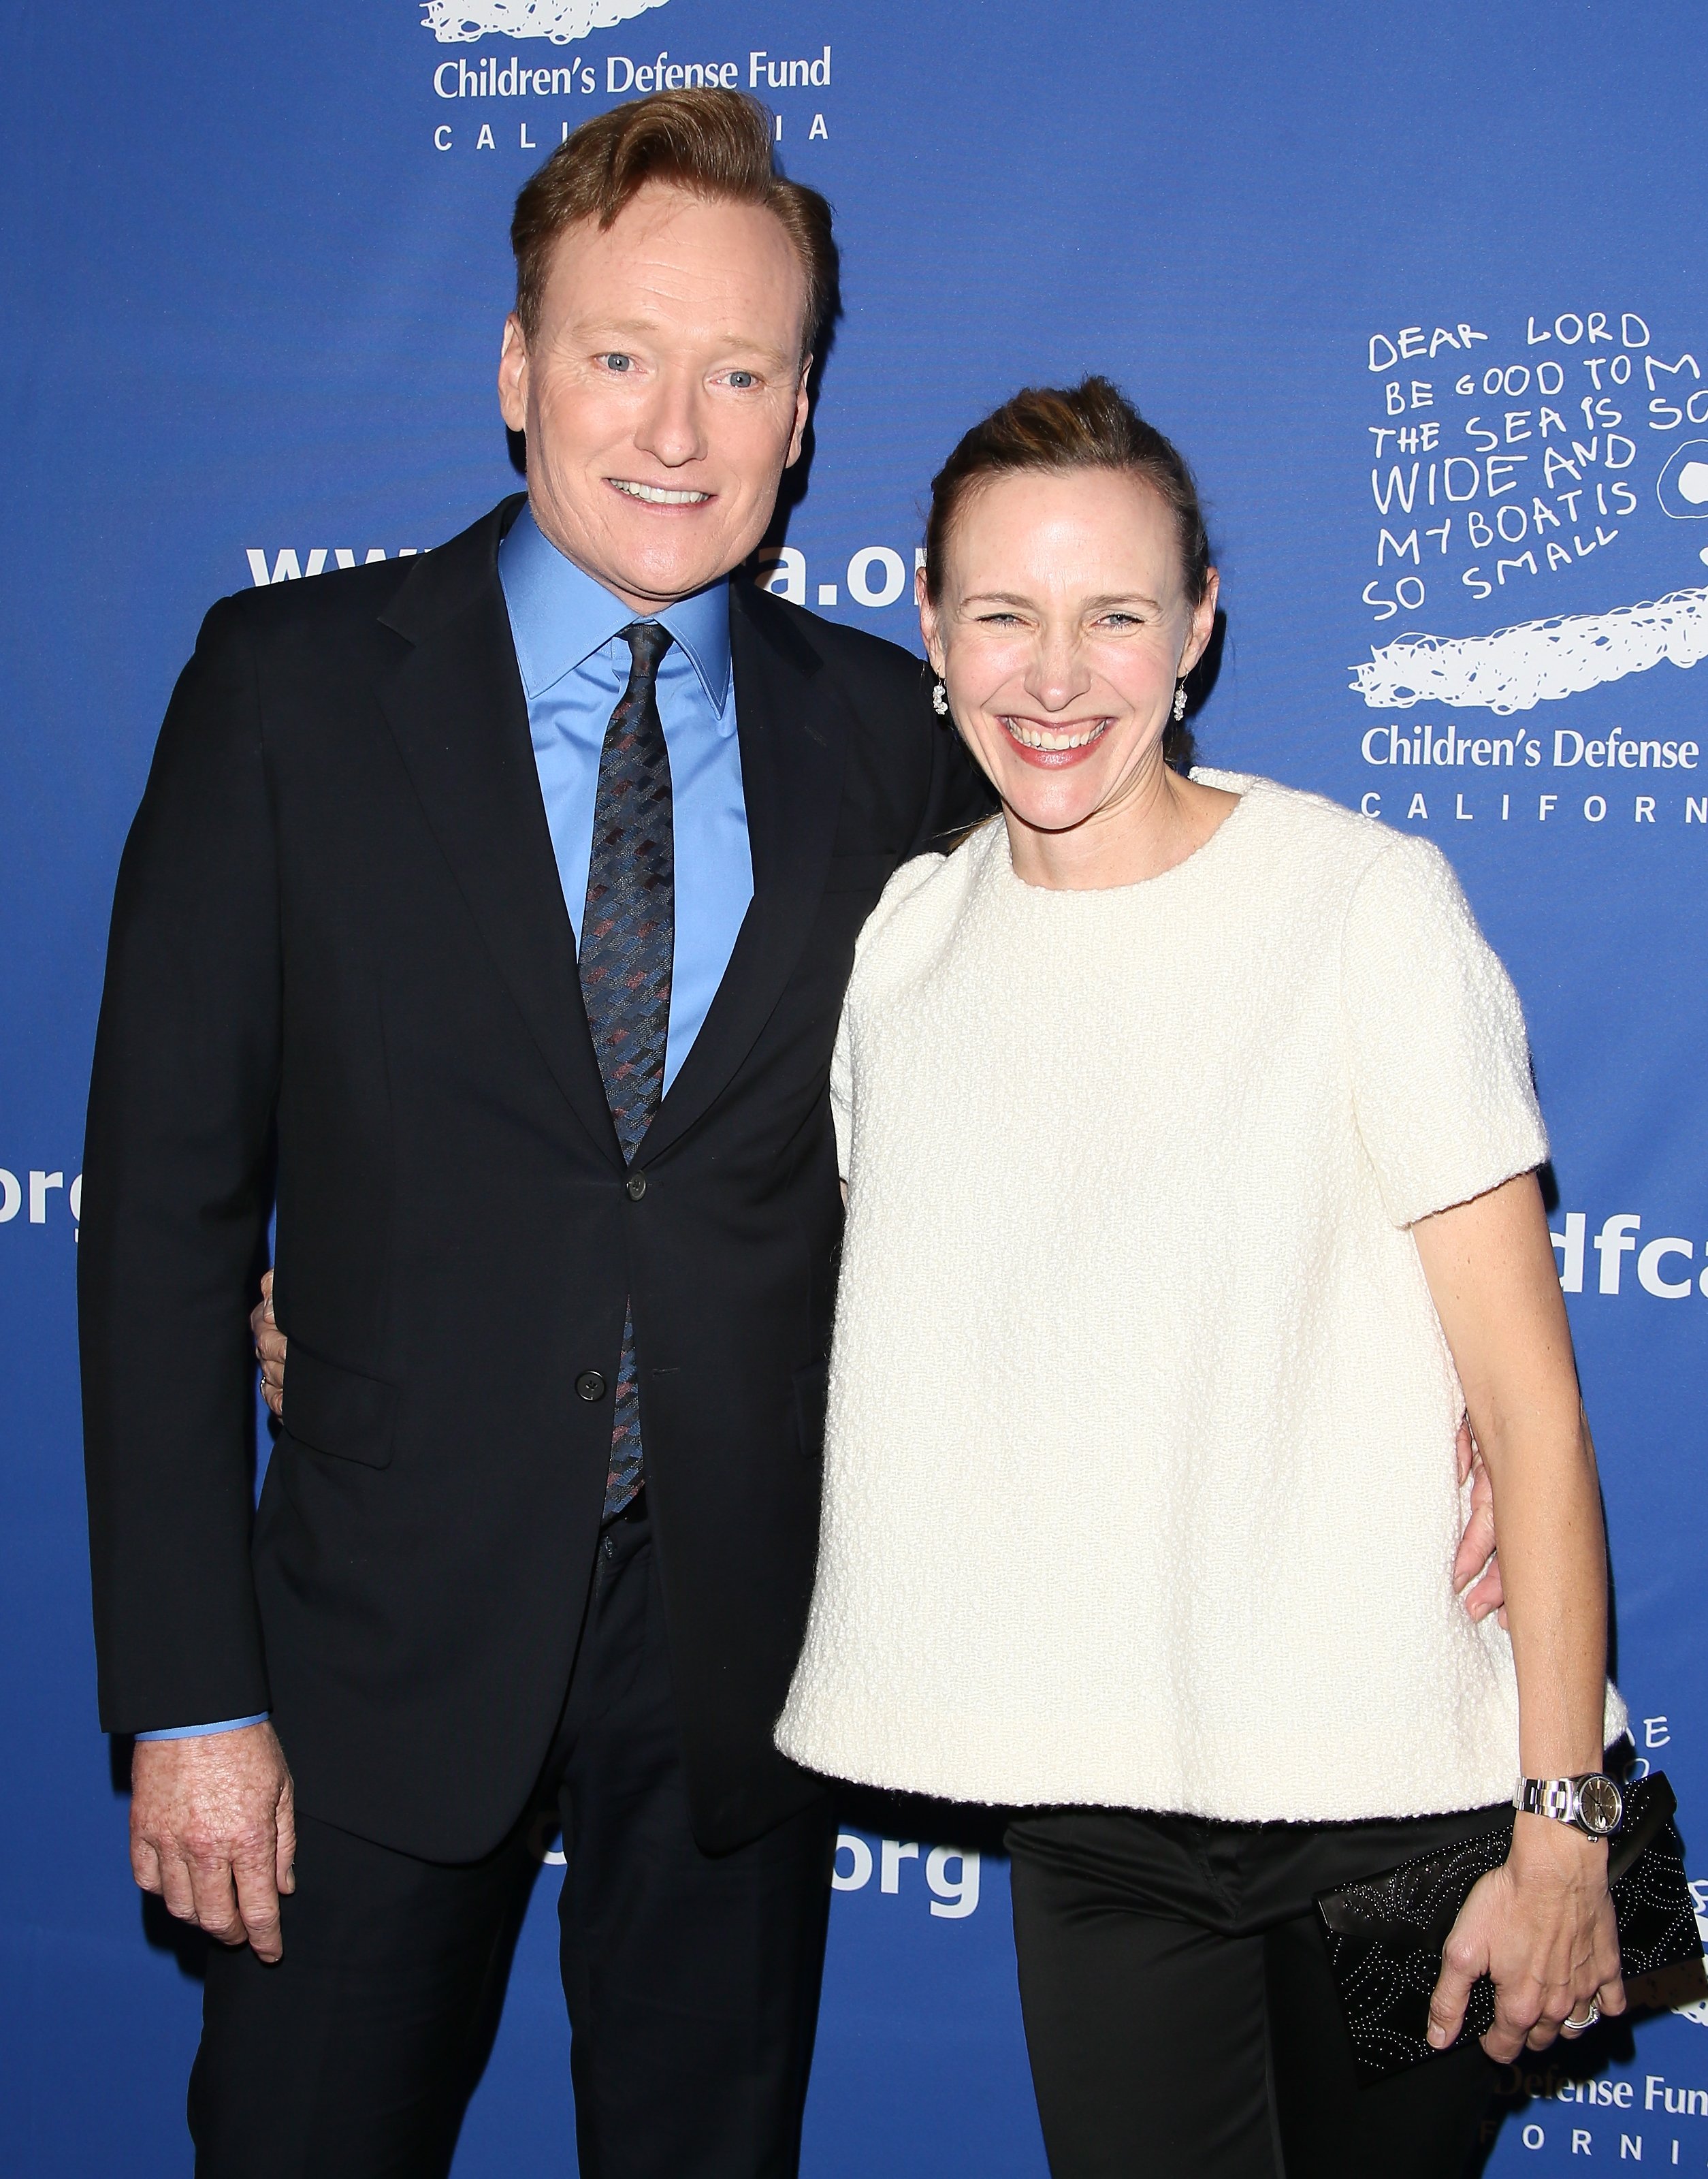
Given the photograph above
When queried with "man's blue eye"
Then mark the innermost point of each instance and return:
(617, 362)
(740, 378)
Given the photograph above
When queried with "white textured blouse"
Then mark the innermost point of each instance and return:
(1139, 1482)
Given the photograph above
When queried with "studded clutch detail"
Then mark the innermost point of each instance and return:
(1385, 1935)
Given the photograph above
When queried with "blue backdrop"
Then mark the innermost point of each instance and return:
(1422, 291)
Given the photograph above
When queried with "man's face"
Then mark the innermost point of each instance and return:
(663, 392)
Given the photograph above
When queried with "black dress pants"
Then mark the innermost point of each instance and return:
(1180, 2017)
(692, 1980)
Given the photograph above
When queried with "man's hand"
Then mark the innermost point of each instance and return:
(271, 1344)
(213, 1830)
(1476, 1569)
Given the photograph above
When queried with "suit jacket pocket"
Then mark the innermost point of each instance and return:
(335, 1410)
(811, 1385)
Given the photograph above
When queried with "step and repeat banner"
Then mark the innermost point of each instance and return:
(1421, 291)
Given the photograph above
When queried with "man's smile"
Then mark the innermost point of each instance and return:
(657, 494)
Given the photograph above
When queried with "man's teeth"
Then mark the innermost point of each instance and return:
(1046, 737)
(655, 495)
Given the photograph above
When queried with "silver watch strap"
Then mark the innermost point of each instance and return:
(1547, 1796)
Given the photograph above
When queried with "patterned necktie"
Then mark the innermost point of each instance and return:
(627, 944)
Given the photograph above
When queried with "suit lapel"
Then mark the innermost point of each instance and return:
(457, 713)
(792, 728)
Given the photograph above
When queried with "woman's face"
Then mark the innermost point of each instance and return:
(1060, 633)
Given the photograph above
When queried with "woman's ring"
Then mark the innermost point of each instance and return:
(1578, 2026)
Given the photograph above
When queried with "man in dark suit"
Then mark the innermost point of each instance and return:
(494, 910)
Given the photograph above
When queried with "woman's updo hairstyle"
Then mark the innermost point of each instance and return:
(1092, 425)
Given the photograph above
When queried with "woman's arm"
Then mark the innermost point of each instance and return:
(1543, 1925)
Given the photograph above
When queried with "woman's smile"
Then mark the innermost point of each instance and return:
(1055, 747)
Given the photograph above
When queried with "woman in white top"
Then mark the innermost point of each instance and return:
(1191, 1146)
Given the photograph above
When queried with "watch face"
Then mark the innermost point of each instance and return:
(1600, 1804)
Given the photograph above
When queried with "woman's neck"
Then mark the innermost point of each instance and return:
(1161, 821)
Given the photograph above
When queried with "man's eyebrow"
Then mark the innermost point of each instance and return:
(603, 330)
(613, 329)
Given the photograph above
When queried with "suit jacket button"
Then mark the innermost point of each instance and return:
(637, 1186)
(589, 1387)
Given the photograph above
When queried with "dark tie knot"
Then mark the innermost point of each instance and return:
(647, 642)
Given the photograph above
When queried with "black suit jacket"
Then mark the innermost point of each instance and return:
(340, 956)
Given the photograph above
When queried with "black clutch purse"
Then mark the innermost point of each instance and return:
(1385, 1935)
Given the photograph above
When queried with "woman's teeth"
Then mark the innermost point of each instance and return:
(1054, 738)
(655, 495)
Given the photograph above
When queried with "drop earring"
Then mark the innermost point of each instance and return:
(1180, 701)
(939, 700)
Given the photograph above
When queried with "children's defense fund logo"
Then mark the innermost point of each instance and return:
(461, 22)
(505, 89)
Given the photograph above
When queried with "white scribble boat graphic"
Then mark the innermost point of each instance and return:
(1538, 662)
(460, 22)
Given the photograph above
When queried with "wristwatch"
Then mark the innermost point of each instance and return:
(1593, 1803)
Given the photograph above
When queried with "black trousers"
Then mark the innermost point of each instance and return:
(1180, 2014)
(691, 1982)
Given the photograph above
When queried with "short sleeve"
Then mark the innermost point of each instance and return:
(1435, 1036)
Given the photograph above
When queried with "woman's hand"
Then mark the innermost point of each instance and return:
(269, 1347)
(1543, 1928)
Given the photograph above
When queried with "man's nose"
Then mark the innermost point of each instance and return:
(673, 430)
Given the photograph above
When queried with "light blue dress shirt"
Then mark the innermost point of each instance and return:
(575, 666)
(568, 632)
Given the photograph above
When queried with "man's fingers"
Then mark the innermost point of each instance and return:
(285, 1851)
(144, 1864)
(267, 1293)
(271, 1344)
(258, 1904)
(1479, 1527)
(1475, 1546)
(1477, 1568)
(215, 1814)
(216, 1900)
(176, 1887)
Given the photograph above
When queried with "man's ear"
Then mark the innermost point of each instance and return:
(512, 375)
(803, 409)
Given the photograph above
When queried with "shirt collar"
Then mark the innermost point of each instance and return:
(559, 616)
